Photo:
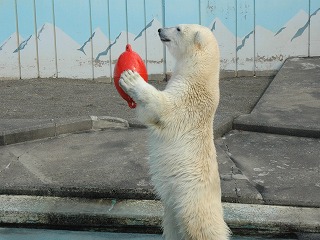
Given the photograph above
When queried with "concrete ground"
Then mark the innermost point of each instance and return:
(38, 234)
(30, 102)
(53, 147)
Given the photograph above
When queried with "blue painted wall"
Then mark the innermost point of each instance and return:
(83, 38)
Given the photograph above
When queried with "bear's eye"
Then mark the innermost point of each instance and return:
(178, 29)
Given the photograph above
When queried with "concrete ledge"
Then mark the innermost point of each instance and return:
(257, 123)
(108, 122)
(107, 213)
(222, 126)
(60, 126)
(272, 218)
(29, 133)
(79, 212)
(72, 125)
(57, 127)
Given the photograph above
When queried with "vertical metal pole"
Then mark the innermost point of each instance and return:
(164, 48)
(145, 33)
(109, 32)
(236, 39)
(18, 38)
(36, 35)
(127, 22)
(91, 42)
(55, 39)
(254, 38)
(309, 29)
(200, 21)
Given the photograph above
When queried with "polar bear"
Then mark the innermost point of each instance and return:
(183, 163)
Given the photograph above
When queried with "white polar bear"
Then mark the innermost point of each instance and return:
(183, 163)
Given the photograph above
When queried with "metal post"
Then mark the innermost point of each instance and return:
(91, 42)
(18, 38)
(145, 33)
(127, 22)
(36, 35)
(55, 39)
(109, 32)
(236, 38)
(164, 48)
(200, 21)
(254, 38)
(309, 28)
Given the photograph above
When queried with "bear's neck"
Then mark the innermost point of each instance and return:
(192, 68)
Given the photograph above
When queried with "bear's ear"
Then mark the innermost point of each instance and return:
(199, 40)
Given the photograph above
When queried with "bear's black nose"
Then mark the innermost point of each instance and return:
(159, 30)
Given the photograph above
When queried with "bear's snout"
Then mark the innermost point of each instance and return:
(163, 36)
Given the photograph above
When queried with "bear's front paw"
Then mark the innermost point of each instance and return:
(129, 81)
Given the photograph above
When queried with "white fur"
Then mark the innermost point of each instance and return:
(183, 162)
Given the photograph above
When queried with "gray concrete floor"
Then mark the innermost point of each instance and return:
(41, 234)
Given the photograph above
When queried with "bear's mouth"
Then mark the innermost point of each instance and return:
(165, 39)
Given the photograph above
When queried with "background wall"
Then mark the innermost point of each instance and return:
(83, 38)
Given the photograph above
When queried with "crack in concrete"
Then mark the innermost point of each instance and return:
(24, 158)
(236, 189)
(15, 158)
(235, 177)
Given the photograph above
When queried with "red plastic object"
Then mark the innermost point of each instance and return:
(129, 60)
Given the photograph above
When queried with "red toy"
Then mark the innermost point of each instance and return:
(129, 60)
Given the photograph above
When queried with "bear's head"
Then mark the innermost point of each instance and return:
(186, 39)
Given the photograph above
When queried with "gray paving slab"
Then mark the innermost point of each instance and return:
(111, 163)
(284, 169)
(291, 104)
